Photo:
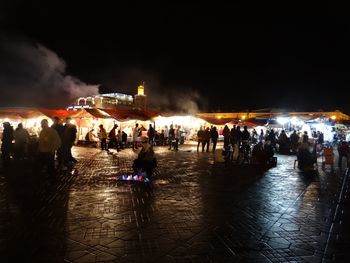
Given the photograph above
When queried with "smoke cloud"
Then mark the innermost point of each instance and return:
(181, 100)
(33, 75)
(161, 96)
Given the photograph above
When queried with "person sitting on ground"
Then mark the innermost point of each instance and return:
(146, 160)
(259, 155)
(268, 148)
(91, 137)
(305, 158)
(283, 141)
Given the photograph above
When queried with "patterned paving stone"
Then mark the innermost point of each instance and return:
(194, 211)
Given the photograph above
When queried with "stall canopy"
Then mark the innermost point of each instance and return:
(20, 113)
(91, 113)
(131, 114)
(60, 113)
(218, 121)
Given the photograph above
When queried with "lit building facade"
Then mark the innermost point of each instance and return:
(112, 100)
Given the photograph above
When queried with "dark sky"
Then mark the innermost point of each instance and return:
(235, 57)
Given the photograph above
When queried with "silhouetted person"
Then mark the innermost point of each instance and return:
(245, 134)
(58, 126)
(113, 142)
(124, 138)
(305, 157)
(102, 135)
(199, 137)
(177, 134)
(206, 139)
(6, 145)
(343, 151)
(305, 138)
(135, 134)
(261, 136)
(226, 134)
(214, 137)
(294, 139)
(258, 154)
(21, 142)
(49, 142)
(146, 160)
(272, 138)
(320, 137)
(171, 136)
(151, 133)
(68, 139)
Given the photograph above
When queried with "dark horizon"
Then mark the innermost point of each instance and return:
(223, 58)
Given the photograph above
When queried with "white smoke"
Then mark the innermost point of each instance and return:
(167, 98)
(33, 75)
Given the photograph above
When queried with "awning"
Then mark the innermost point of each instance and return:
(132, 114)
(60, 113)
(91, 113)
(19, 113)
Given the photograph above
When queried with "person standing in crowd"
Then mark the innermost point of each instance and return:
(166, 134)
(199, 137)
(162, 138)
(254, 136)
(151, 134)
(68, 139)
(177, 136)
(320, 137)
(233, 135)
(124, 139)
(343, 151)
(6, 145)
(171, 136)
(135, 134)
(294, 139)
(113, 142)
(305, 138)
(58, 126)
(245, 134)
(272, 138)
(119, 140)
(102, 135)
(283, 142)
(261, 136)
(49, 142)
(206, 139)
(226, 134)
(21, 142)
(214, 137)
(238, 136)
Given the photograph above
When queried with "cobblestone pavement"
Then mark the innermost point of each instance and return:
(195, 211)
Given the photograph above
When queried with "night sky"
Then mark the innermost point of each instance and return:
(229, 57)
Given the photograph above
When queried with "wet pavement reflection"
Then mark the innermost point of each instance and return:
(195, 210)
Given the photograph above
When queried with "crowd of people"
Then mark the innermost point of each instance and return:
(54, 141)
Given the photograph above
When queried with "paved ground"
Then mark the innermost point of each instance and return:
(195, 211)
